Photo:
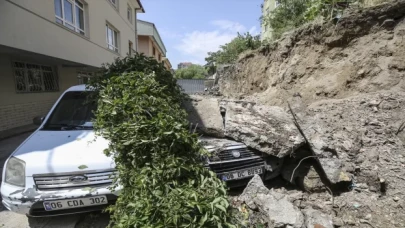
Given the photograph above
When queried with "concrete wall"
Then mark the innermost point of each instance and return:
(18, 109)
(18, 18)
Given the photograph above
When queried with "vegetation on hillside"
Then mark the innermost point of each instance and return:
(192, 72)
(158, 160)
(291, 14)
(228, 53)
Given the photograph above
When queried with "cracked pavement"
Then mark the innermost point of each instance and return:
(10, 219)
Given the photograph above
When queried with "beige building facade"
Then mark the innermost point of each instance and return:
(150, 43)
(47, 46)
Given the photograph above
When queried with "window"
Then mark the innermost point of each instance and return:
(160, 57)
(129, 14)
(131, 49)
(70, 13)
(74, 111)
(153, 51)
(112, 38)
(114, 3)
(84, 77)
(34, 78)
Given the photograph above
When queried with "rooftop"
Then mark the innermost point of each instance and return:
(146, 28)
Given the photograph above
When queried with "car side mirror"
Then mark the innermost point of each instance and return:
(38, 120)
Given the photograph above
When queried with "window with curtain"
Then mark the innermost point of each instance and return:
(129, 13)
(70, 13)
(112, 38)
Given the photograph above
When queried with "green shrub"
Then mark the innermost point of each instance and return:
(194, 71)
(158, 160)
(138, 63)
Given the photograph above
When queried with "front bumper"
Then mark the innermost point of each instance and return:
(271, 168)
(266, 175)
(29, 201)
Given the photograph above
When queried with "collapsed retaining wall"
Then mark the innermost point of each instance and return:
(346, 84)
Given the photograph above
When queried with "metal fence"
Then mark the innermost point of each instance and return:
(191, 86)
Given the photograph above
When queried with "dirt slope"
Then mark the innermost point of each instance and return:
(363, 52)
(346, 83)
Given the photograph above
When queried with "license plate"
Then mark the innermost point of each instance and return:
(74, 203)
(240, 174)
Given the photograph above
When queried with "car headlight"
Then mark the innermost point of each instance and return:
(15, 172)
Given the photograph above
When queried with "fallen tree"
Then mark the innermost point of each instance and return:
(164, 183)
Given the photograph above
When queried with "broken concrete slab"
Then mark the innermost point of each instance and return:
(333, 168)
(268, 129)
(315, 217)
(254, 187)
(275, 207)
(318, 144)
(279, 211)
(204, 113)
(310, 177)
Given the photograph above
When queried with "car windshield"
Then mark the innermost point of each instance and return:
(73, 112)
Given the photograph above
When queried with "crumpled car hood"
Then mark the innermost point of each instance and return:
(219, 144)
(63, 151)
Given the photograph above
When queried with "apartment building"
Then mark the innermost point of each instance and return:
(267, 7)
(46, 46)
(151, 44)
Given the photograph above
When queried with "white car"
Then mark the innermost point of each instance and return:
(62, 169)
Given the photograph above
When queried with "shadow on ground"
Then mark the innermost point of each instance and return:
(88, 220)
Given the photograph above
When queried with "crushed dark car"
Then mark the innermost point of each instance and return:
(235, 163)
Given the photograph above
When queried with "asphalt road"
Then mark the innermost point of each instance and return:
(10, 219)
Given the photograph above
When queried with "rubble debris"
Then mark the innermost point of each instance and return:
(333, 168)
(338, 222)
(346, 84)
(314, 217)
(279, 211)
(268, 129)
(305, 177)
(275, 207)
(254, 187)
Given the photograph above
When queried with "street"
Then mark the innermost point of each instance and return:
(10, 219)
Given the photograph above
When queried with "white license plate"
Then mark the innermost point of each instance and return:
(74, 203)
(240, 174)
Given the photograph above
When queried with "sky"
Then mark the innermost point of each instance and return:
(192, 28)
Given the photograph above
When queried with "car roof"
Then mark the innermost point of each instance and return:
(77, 88)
